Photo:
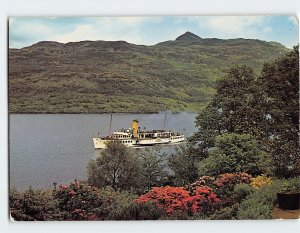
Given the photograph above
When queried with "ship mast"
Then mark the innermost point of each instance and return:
(110, 124)
(165, 120)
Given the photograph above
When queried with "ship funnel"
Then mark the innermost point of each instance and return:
(135, 128)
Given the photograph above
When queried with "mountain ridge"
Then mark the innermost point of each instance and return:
(185, 37)
(117, 76)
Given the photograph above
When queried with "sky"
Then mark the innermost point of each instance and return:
(25, 31)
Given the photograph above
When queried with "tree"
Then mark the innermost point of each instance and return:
(33, 205)
(234, 109)
(153, 168)
(117, 167)
(265, 106)
(280, 81)
(184, 165)
(236, 153)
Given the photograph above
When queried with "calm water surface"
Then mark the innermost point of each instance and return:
(57, 148)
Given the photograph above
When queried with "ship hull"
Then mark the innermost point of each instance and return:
(153, 141)
(100, 143)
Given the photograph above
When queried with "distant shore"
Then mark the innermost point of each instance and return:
(70, 113)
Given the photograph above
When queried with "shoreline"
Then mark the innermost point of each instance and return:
(90, 113)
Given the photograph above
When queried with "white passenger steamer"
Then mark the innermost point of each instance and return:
(133, 137)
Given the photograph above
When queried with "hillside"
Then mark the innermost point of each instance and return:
(115, 76)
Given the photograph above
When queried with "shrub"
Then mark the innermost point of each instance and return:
(120, 204)
(235, 153)
(260, 181)
(241, 191)
(228, 213)
(33, 205)
(259, 204)
(251, 209)
(169, 199)
(202, 181)
(176, 201)
(204, 201)
(117, 167)
(222, 185)
(79, 201)
(147, 211)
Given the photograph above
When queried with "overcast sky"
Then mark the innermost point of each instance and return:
(25, 31)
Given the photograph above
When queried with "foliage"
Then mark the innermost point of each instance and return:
(232, 110)
(280, 81)
(259, 204)
(116, 167)
(265, 106)
(223, 185)
(169, 199)
(119, 205)
(204, 200)
(79, 201)
(33, 205)
(184, 165)
(242, 190)
(290, 185)
(227, 213)
(260, 181)
(147, 211)
(176, 201)
(235, 153)
(153, 171)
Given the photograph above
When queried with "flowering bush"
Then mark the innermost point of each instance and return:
(260, 181)
(204, 200)
(78, 201)
(224, 183)
(174, 200)
(202, 181)
(168, 198)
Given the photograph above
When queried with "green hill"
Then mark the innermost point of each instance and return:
(115, 76)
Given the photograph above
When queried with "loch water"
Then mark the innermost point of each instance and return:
(47, 148)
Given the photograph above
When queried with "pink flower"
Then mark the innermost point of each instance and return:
(72, 193)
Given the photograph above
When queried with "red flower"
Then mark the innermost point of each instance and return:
(171, 199)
